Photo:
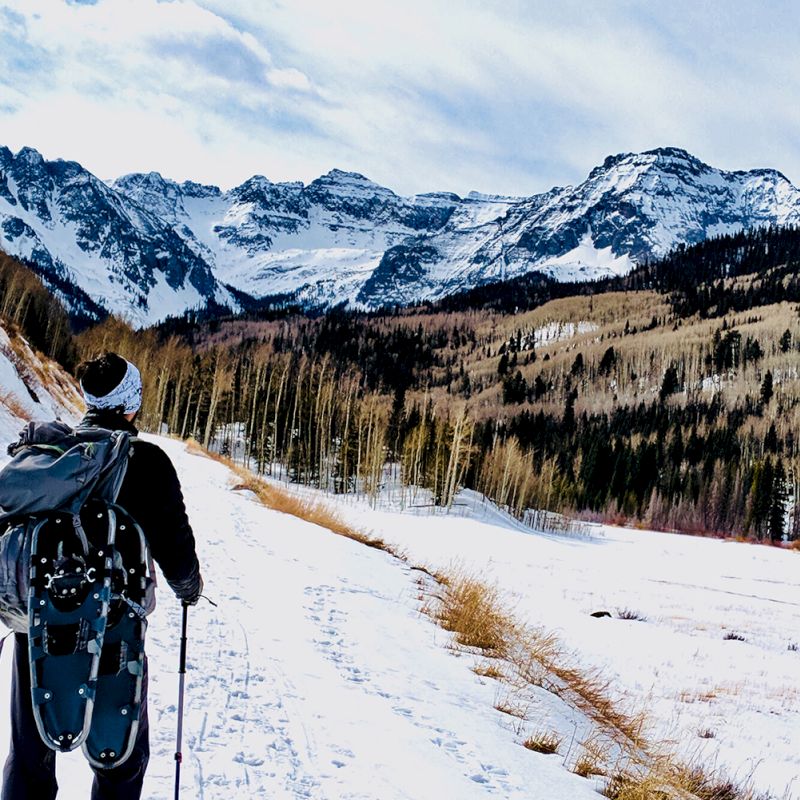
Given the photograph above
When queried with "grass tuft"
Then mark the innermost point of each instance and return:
(13, 404)
(488, 670)
(543, 742)
(471, 610)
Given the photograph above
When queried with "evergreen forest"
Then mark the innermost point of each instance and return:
(668, 399)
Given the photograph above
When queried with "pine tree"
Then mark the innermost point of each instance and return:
(669, 384)
(771, 440)
(779, 497)
(766, 389)
(607, 362)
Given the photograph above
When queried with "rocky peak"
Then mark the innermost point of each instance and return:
(338, 181)
(201, 190)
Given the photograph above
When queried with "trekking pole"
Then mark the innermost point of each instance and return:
(181, 684)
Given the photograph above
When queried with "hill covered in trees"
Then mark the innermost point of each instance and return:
(637, 400)
(668, 398)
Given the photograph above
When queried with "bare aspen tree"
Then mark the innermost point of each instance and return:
(220, 384)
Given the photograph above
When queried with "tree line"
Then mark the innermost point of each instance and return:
(26, 303)
(320, 412)
(620, 428)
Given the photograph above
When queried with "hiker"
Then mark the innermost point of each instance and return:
(151, 494)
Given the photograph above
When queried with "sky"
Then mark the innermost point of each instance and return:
(499, 96)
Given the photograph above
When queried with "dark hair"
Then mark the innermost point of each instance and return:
(101, 375)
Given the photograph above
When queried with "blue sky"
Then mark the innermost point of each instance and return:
(422, 95)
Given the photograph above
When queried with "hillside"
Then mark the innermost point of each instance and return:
(316, 676)
(618, 405)
(611, 405)
(32, 387)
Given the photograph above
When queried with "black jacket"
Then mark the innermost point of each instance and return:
(151, 494)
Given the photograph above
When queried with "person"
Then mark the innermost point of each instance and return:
(151, 493)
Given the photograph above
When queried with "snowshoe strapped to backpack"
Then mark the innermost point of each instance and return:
(54, 469)
(62, 581)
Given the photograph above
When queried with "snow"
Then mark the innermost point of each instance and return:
(587, 261)
(675, 663)
(559, 331)
(317, 676)
(163, 300)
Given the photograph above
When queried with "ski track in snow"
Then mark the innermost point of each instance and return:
(317, 676)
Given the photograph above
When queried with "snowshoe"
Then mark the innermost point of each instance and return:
(117, 699)
(70, 590)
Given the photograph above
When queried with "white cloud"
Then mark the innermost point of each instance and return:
(421, 95)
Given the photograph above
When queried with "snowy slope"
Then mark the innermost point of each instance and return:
(731, 704)
(32, 388)
(317, 676)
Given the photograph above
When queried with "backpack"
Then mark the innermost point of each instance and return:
(54, 468)
(75, 575)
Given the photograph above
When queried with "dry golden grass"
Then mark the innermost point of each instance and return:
(671, 781)
(665, 778)
(647, 787)
(13, 404)
(545, 742)
(314, 512)
(508, 706)
(474, 613)
(594, 756)
(590, 692)
(487, 670)
(471, 610)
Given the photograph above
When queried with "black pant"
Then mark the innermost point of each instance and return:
(30, 771)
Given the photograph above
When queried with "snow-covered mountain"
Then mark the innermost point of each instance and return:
(149, 246)
(97, 250)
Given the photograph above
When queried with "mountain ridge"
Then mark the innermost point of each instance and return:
(148, 247)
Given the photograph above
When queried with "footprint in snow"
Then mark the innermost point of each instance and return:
(250, 761)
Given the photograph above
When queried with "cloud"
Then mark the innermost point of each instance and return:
(419, 95)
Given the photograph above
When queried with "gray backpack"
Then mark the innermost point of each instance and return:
(53, 468)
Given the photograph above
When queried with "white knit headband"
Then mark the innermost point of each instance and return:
(127, 394)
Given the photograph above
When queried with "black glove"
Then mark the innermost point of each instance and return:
(191, 598)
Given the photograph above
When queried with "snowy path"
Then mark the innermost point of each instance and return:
(316, 677)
